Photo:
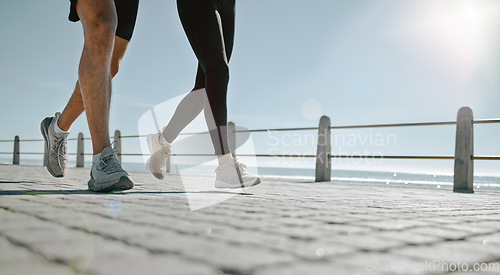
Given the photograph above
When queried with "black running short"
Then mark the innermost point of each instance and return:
(126, 11)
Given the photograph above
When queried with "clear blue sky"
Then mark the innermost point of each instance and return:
(359, 62)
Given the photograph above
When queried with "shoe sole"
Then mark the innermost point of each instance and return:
(224, 185)
(124, 183)
(44, 128)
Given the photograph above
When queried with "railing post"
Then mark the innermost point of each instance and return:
(118, 145)
(323, 163)
(231, 137)
(464, 150)
(80, 153)
(168, 163)
(16, 153)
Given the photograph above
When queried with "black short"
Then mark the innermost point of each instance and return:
(126, 11)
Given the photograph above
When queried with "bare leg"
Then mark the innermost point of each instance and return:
(75, 108)
(187, 110)
(99, 21)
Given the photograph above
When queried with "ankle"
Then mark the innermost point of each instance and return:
(58, 129)
(223, 159)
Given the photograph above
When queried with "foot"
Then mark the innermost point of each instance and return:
(107, 175)
(55, 156)
(233, 175)
(157, 163)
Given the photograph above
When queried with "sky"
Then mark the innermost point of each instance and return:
(358, 62)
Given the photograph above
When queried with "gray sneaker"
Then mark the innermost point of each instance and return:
(55, 156)
(108, 175)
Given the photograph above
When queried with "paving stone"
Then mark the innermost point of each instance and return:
(440, 232)
(314, 268)
(452, 252)
(387, 263)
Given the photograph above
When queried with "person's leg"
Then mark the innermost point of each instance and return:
(99, 21)
(191, 106)
(202, 23)
(75, 108)
(227, 14)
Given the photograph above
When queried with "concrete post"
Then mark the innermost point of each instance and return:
(16, 153)
(168, 163)
(231, 137)
(464, 150)
(118, 145)
(323, 163)
(80, 153)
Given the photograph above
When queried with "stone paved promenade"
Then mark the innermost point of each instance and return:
(54, 226)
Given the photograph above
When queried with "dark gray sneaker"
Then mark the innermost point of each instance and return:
(55, 156)
(108, 175)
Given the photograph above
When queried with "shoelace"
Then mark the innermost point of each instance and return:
(165, 153)
(240, 165)
(60, 148)
(108, 167)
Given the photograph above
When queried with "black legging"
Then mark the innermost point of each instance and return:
(209, 26)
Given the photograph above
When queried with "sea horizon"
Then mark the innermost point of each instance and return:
(394, 178)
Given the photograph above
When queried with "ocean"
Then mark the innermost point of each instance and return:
(307, 175)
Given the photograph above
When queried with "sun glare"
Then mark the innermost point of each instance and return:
(468, 24)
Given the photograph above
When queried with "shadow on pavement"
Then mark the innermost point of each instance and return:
(86, 192)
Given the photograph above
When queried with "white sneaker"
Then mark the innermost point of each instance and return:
(157, 163)
(55, 156)
(108, 175)
(233, 175)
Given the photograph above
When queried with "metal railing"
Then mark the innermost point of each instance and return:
(464, 147)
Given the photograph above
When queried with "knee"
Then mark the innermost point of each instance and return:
(101, 28)
(218, 73)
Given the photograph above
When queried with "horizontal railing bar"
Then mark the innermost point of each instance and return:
(73, 139)
(277, 130)
(133, 136)
(486, 157)
(485, 121)
(181, 134)
(479, 121)
(332, 156)
(276, 156)
(392, 157)
(288, 156)
(394, 125)
(193, 155)
(239, 155)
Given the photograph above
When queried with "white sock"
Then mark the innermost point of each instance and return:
(95, 159)
(57, 129)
